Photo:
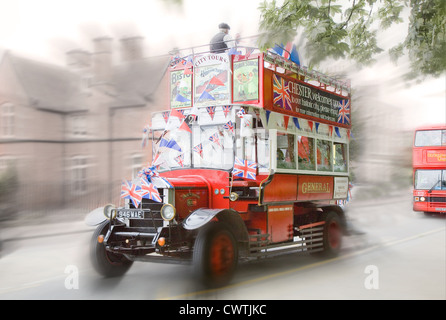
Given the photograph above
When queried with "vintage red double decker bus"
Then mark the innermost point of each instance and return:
(429, 169)
(249, 161)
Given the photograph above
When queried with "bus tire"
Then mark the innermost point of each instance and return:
(332, 237)
(215, 255)
(106, 263)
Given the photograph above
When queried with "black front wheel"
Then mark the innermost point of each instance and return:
(106, 263)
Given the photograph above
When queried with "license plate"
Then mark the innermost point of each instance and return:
(440, 209)
(130, 214)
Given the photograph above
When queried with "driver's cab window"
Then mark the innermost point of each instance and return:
(252, 140)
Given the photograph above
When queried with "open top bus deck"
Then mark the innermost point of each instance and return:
(250, 160)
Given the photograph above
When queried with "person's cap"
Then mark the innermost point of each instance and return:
(224, 26)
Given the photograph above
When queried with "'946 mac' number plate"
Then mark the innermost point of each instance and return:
(130, 214)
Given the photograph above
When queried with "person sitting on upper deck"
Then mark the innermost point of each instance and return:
(222, 40)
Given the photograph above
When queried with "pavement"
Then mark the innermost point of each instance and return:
(13, 231)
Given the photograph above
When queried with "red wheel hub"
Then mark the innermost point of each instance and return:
(334, 235)
(222, 254)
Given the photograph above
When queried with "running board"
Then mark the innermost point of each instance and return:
(158, 259)
(310, 240)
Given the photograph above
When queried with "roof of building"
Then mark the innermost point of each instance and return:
(58, 88)
(48, 86)
(137, 81)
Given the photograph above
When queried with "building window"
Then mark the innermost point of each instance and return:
(79, 174)
(7, 120)
(6, 163)
(86, 83)
(78, 125)
(136, 165)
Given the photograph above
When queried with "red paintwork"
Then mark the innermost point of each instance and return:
(281, 193)
(315, 187)
(283, 187)
(280, 222)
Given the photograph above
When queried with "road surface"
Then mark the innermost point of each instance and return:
(399, 254)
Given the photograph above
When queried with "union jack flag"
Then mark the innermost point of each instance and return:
(281, 93)
(128, 191)
(245, 169)
(344, 112)
(215, 139)
(226, 110)
(180, 160)
(166, 115)
(149, 191)
(211, 111)
(229, 126)
(199, 149)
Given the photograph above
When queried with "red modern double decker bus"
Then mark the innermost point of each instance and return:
(249, 160)
(429, 169)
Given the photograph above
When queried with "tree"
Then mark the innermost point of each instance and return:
(349, 30)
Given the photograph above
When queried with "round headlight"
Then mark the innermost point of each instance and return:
(422, 198)
(109, 211)
(168, 212)
(233, 196)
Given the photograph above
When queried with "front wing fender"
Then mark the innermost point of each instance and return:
(199, 218)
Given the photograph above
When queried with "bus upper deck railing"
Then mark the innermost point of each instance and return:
(308, 75)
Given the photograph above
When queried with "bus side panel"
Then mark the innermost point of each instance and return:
(280, 223)
(315, 187)
(283, 187)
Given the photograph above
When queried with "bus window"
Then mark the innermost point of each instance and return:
(430, 179)
(285, 151)
(323, 155)
(430, 138)
(305, 148)
(262, 137)
(340, 157)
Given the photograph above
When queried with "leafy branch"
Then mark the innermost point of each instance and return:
(340, 31)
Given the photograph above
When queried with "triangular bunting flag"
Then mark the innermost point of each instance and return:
(206, 95)
(211, 112)
(180, 98)
(310, 124)
(337, 132)
(180, 159)
(215, 139)
(177, 113)
(198, 149)
(267, 115)
(296, 122)
(184, 126)
(216, 81)
(166, 115)
(229, 126)
(226, 110)
(286, 119)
